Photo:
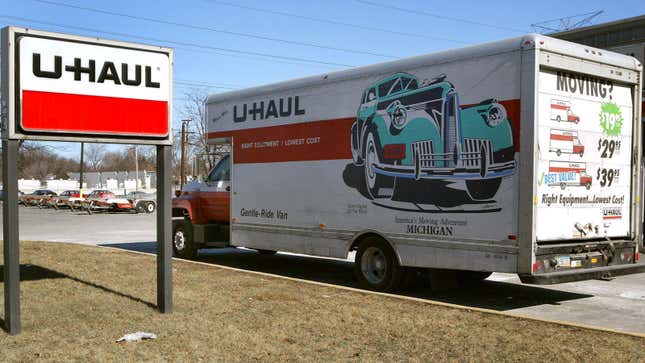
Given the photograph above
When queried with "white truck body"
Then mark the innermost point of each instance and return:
(565, 141)
(416, 151)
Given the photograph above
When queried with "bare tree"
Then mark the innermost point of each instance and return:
(95, 154)
(198, 149)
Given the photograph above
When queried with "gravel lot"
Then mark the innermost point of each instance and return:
(616, 304)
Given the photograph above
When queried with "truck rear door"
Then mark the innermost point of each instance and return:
(585, 228)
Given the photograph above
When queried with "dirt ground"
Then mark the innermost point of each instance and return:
(77, 300)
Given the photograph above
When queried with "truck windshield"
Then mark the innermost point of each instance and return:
(221, 171)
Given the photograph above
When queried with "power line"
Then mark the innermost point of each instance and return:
(197, 84)
(205, 28)
(437, 16)
(334, 22)
(208, 83)
(199, 46)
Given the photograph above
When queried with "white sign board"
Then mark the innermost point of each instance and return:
(82, 89)
(584, 169)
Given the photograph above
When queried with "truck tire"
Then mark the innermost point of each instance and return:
(483, 189)
(140, 207)
(150, 207)
(183, 245)
(373, 180)
(376, 266)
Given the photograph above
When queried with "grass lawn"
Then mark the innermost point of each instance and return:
(77, 300)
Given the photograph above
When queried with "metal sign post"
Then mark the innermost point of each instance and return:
(164, 229)
(11, 236)
(61, 87)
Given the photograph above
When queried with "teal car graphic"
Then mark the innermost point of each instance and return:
(416, 131)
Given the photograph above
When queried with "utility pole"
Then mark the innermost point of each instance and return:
(184, 134)
(81, 176)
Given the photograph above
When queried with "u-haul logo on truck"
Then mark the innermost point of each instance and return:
(264, 110)
(612, 213)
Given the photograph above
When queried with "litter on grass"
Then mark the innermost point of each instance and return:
(135, 337)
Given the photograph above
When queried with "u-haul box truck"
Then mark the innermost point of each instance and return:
(561, 111)
(563, 173)
(565, 141)
(439, 161)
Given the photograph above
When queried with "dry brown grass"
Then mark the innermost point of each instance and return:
(77, 300)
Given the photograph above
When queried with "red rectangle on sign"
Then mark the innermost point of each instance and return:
(83, 114)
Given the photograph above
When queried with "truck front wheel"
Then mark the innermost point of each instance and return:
(376, 266)
(183, 245)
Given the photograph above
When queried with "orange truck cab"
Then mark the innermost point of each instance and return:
(201, 212)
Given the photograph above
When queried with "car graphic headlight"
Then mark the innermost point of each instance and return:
(398, 115)
(496, 114)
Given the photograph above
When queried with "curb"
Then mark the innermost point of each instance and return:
(399, 297)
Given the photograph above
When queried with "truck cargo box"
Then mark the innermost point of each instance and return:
(521, 155)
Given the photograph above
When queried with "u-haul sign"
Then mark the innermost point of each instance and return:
(69, 87)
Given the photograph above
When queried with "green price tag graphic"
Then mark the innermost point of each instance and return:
(611, 119)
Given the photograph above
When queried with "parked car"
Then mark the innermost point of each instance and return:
(37, 197)
(65, 199)
(142, 201)
(105, 200)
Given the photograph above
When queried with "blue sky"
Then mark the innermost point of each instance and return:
(214, 39)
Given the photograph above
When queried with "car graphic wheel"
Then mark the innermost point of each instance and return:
(558, 152)
(375, 182)
(563, 186)
(558, 118)
(588, 185)
(482, 189)
(182, 239)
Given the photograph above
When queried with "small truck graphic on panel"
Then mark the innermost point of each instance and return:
(565, 173)
(561, 111)
(567, 142)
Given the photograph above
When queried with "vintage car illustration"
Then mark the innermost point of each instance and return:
(405, 129)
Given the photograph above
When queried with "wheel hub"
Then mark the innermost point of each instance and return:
(374, 265)
(179, 240)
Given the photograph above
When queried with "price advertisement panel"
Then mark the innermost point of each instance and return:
(584, 146)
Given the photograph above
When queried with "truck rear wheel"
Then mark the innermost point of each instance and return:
(483, 189)
(183, 245)
(376, 266)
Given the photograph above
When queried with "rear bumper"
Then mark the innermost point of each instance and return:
(582, 274)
